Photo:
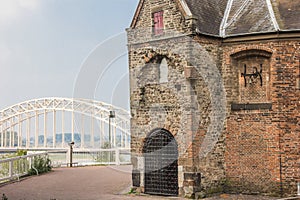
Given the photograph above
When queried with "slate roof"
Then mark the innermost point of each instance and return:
(289, 13)
(238, 17)
(225, 18)
(249, 16)
(209, 13)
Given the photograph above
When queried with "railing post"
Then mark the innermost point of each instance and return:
(67, 155)
(117, 156)
(11, 167)
(29, 163)
(126, 141)
(20, 165)
(71, 153)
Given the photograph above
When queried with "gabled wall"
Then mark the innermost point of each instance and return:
(176, 22)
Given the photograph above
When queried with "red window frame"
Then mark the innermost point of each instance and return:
(158, 19)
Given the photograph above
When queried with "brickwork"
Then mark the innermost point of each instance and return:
(253, 148)
(262, 146)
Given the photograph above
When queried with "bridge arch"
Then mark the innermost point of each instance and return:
(33, 116)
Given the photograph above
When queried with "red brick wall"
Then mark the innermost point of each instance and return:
(263, 146)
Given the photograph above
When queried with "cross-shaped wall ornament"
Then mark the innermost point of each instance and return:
(252, 76)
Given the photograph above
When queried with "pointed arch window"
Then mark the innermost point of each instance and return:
(163, 71)
(158, 22)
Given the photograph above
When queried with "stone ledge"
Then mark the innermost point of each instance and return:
(251, 106)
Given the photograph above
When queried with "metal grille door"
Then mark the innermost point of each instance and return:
(161, 168)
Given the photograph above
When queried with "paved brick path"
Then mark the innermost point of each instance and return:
(86, 183)
(79, 183)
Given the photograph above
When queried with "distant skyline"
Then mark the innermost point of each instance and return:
(46, 46)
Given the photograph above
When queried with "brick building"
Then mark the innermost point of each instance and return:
(215, 96)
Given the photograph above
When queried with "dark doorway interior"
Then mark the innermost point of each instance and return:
(161, 163)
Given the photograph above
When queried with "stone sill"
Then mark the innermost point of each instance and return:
(251, 106)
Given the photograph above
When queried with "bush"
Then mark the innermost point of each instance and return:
(42, 164)
(21, 153)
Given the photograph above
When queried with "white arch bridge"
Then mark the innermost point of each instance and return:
(52, 123)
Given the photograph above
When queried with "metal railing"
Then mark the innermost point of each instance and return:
(16, 167)
(117, 156)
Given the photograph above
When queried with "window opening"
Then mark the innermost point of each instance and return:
(163, 71)
(158, 23)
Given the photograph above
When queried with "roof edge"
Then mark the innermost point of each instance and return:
(137, 13)
(281, 34)
(185, 7)
(249, 34)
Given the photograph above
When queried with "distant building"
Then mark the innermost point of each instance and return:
(215, 96)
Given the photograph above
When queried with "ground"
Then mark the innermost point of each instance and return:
(87, 183)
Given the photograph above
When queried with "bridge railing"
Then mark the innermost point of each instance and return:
(116, 156)
(14, 168)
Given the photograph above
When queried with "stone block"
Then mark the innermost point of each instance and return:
(136, 178)
(190, 72)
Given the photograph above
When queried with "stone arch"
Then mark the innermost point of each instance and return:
(148, 54)
(155, 69)
(251, 50)
(250, 53)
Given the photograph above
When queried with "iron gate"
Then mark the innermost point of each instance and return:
(161, 168)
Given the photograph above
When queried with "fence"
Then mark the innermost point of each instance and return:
(14, 168)
(118, 156)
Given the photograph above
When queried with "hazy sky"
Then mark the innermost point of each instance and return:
(51, 48)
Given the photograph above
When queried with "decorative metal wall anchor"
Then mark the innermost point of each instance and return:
(253, 76)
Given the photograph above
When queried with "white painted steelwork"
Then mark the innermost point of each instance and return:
(24, 124)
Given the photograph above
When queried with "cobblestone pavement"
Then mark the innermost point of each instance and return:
(87, 183)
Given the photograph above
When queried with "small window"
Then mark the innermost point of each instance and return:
(163, 71)
(158, 23)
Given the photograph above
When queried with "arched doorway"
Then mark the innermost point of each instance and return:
(161, 163)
